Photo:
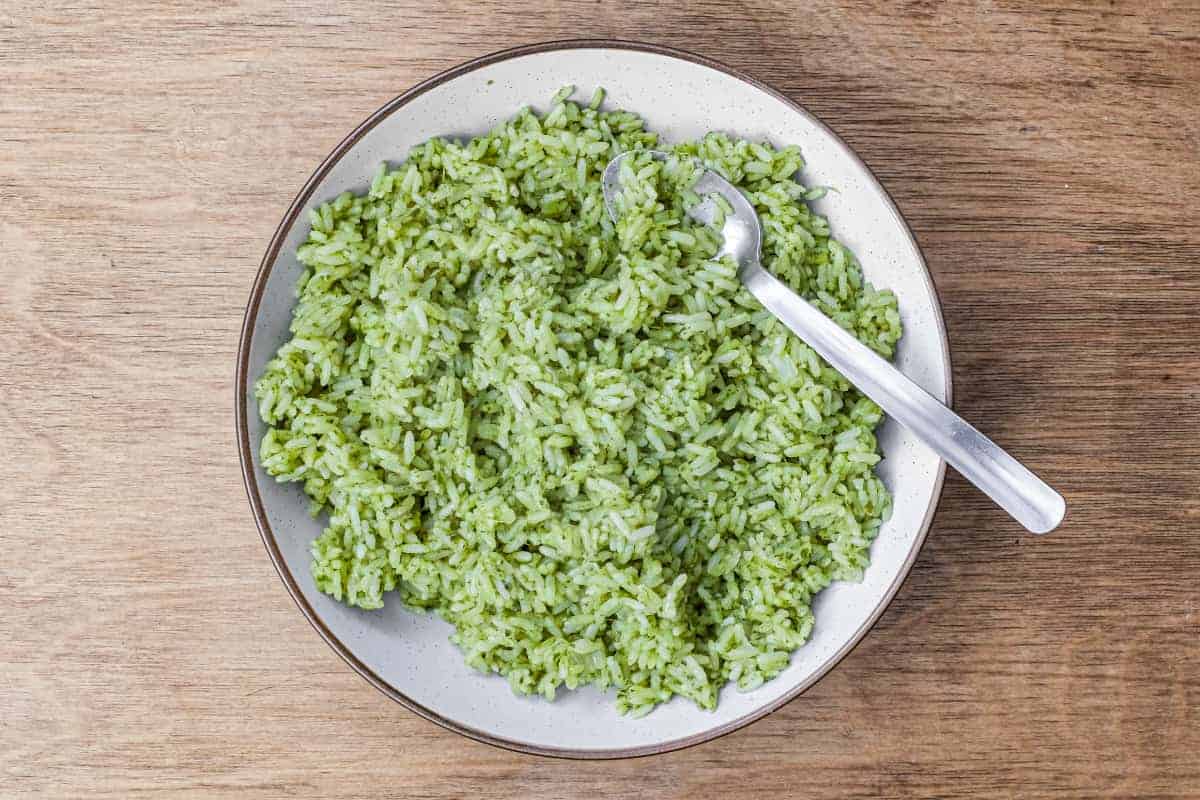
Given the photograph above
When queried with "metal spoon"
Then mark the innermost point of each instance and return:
(1001, 477)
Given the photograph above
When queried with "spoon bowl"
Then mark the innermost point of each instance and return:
(741, 233)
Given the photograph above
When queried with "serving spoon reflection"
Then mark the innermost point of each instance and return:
(1001, 477)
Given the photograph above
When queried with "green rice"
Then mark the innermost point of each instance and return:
(584, 445)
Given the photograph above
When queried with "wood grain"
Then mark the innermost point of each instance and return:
(1048, 160)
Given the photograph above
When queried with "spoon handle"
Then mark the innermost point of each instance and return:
(980, 460)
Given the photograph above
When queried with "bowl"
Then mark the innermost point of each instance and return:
(407, 654)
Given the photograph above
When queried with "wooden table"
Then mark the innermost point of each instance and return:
(1048, 162)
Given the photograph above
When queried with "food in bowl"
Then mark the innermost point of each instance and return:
(582, 443)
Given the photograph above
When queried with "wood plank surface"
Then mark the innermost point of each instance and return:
(1048, 159)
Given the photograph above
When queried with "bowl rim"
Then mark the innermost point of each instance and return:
(245, 450)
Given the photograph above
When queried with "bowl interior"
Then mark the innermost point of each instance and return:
(408, 654)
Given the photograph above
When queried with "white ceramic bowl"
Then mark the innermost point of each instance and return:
(407, 655)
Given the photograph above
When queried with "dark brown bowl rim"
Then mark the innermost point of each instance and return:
(245, 451)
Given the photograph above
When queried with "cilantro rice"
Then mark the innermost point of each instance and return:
(584, 445)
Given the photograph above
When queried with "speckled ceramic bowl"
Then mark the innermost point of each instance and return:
(407, 655)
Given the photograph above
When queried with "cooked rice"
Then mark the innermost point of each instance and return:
(584, 445)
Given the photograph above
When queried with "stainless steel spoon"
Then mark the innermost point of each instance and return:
(1001, 477)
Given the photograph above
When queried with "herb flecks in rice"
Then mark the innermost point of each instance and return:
(586, 446)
